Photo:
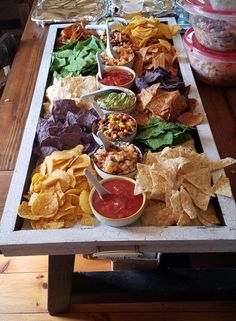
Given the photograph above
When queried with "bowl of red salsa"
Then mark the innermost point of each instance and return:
(117, 76)
(121, 207)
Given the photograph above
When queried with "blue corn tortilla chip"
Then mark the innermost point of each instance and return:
(66, 127)
(159, 75)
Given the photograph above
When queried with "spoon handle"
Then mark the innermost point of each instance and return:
(99, 188)
(98, 109)
(101, 69)
(102, 91)
(109, 49)
(106, 143)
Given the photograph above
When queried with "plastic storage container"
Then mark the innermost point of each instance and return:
(223, 4)
(214, 29)
(212, 67)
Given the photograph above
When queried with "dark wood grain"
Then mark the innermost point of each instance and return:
(220, 107)
(60, 273)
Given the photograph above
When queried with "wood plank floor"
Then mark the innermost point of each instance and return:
(23, 297)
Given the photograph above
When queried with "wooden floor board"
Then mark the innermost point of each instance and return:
(159, 316)
(23, 297)
(22, 264)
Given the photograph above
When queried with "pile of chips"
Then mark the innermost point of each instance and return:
(71, 88)
(145, 31)
(161, 54)
(178, 182)
(59, 192)
(166, 105)
(74, 33)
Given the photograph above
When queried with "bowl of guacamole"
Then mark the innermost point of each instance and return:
(117, 101)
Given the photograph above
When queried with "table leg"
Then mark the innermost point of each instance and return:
(60, 273)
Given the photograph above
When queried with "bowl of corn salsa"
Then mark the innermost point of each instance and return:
(116, 127)
(121, 162)
(125, 57)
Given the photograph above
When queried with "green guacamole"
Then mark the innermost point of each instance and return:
(115, 101)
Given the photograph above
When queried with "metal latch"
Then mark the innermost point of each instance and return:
(129, 254)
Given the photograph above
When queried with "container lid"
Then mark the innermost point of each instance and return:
(204, 8)
(191, 42)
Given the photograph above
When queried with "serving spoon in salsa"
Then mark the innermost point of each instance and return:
(102, 191)
(101, 69)
(109, 146)
(110, 52)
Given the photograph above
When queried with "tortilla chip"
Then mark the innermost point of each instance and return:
(150, 213)
(175, 201)
(143, 180)
(201, 200)
(222, 186)
(187, 204)
(184, 220)
(190, 119)
(200, 179)
(209, 217)
(158, 185)
(221, 163)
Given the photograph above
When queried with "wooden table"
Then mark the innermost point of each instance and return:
(219, 104)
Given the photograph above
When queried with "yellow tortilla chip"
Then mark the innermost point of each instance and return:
(45, 206)
(222, 187)
(176, 205)
(190, 119)
(208, 217)
(201, 179)
(187, 204)
(201, 200)
(222, 163)
(84, 202)
(143, 180)
(46, 224)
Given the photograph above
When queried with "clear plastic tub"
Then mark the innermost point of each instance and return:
(223, 4)
(214, 29)
(212, 67)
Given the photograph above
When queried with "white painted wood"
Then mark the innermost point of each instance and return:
(80, 239)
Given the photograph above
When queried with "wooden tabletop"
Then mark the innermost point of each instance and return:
(219, 104)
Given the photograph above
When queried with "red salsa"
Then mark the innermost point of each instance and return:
(121, 203)
(116, 77)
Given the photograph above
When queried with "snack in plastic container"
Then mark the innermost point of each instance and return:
(212, 67)
(223, 4)
(214, 29)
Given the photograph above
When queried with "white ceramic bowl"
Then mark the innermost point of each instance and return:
(128, 138)
(125, 85)
(132, 174)
(129, 109)
(120, 221)
(115, 62)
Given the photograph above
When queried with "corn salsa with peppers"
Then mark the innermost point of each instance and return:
(117, 126)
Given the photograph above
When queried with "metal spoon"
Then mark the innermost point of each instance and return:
(103, 90)
(106, 143)
(98, 187)
(101, 69)
(110, 52)
(98, 109)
